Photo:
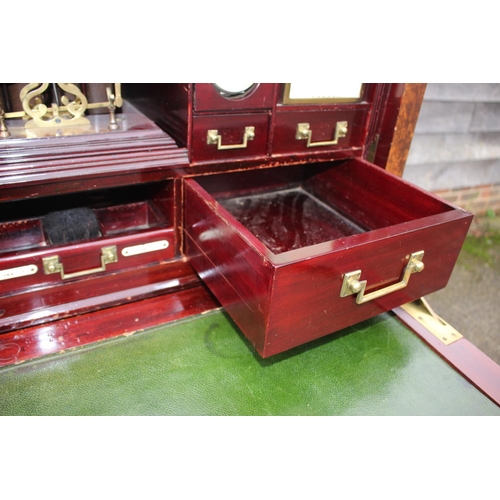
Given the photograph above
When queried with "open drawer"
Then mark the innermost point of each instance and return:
(295, 253)
(84, 248)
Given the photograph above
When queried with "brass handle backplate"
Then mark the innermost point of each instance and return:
(51, 265)
(304, 132)
(352, 286)
(213, 137)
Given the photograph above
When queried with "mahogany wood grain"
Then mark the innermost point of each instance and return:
(245, 276)
(231, 128)
(76, 257)
(286, 299)
(41, 303)
(43, 171)
(322, 124)
(371, 197)
(127, 319)
(169, 105)
(267, 292)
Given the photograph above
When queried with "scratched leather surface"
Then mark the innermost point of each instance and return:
(205, 367)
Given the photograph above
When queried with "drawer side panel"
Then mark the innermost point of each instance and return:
(247, 272)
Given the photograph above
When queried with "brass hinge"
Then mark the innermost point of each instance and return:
(423, 313)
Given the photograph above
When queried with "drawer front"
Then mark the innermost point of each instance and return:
(309, 301)
(228, 137)
(49, 266)
(208, 98)
(284, 300)
(39, 285)
(318, 131)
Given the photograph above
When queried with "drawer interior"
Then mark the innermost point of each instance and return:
(288, 219)
(293, 207)
(29, 224)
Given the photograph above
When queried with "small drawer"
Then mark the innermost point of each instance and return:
(221, 137)
(214, 97)
(318, 131)
(103, 237)
(296, 253)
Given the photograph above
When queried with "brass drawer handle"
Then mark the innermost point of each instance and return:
(51, 265)
(351, 284)
(213, 137)
(304, 132)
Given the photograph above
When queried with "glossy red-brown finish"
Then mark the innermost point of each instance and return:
(44, 303)
(267, 291)
(77, 257)
(200, 102)
(126, 216)
(208, 98)
(231, 128)
(322, 124)
(281, 300)
(127, 319)
(42, 167)
(169, 105)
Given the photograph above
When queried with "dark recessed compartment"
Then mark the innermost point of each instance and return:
(120, 219)
(275, 244)
(21, 235)
(101, 213)
(86, 249)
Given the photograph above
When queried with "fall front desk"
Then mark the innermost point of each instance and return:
(122, 320)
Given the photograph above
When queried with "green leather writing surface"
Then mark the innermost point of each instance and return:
(204, 366)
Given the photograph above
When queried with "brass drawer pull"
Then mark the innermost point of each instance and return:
(304, 132)
(213, 137)
(351, 284)
(51, 265)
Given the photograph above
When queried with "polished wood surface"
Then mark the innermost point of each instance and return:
(140, 153)
(322, 124)
(379, 218)
(231, 128)
(40, 304)
(179, 108)
(168, 105)
(146, 217)
(103, 324)
(291, 295)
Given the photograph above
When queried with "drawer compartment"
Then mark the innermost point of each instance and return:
(296, 253)
(228, 137)
(319, 131)
(97, 237)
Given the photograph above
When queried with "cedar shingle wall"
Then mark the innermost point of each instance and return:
(456, 147)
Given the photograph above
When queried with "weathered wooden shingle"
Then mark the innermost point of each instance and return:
(457, 137)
